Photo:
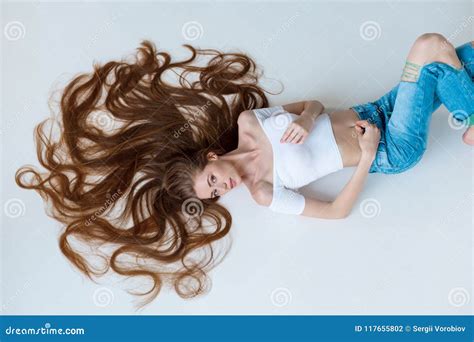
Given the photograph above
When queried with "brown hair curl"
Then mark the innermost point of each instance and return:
(128, 133)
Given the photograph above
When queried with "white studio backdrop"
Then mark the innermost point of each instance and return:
(405, 249)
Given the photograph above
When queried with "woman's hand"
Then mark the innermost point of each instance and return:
(298, 130)
(368, 139)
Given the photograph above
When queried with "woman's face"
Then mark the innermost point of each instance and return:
(216, 179)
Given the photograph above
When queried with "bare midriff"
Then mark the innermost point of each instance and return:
(343, 122)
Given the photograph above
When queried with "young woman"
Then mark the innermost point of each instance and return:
(285, 147)
(168, 151)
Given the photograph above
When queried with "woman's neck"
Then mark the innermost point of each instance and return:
(243, 161)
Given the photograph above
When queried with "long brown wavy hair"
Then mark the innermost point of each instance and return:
(135, 133)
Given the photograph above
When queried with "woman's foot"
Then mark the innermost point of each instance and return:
(468, 136)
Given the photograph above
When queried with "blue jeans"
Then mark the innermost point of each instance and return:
(404, 113)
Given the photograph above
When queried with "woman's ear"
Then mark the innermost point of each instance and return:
(211, 155)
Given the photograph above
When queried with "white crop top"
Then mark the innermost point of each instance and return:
(295, 165)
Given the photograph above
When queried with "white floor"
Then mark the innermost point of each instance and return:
(406, 248)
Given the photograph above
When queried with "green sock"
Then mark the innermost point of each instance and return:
(471, 120)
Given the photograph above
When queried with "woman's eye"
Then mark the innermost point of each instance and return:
(213, 179)
(215, 193)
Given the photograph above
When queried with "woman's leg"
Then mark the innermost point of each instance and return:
(432, 70)
(455, 88)
(465, 54)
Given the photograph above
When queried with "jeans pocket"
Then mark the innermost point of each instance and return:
(382, 163)
(415, 155)
(396, 160)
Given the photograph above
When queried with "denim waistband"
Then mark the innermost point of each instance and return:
(371, 112)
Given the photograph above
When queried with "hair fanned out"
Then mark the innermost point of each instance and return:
(118, 176)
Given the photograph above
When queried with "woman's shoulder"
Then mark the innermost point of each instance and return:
(246, 116)
(248, 125)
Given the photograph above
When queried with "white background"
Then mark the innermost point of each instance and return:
(413, 257)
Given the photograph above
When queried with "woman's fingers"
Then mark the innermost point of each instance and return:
(300, 139)
(291, 132)
(287, 134)
(365, 125)
(294, 135)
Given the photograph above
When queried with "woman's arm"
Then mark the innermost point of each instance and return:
(298, 130)
(310, 109)
(338, 209)
(342, 205)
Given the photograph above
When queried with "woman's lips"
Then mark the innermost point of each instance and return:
(232, 183)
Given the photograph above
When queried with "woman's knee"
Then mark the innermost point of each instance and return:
(432, 46)
(430, 41)
(427, 48)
